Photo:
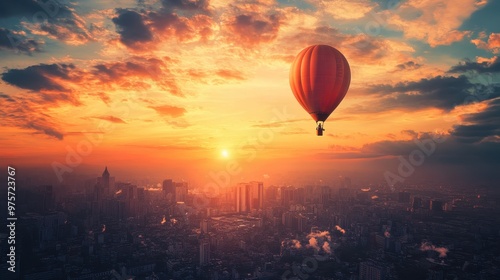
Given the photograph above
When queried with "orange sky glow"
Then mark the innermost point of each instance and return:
(205, 85)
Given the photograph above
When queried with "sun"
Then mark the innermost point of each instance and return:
(225, 153)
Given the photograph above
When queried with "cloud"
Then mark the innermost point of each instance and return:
(340, 148)
(326, 247)
(132, 29)
(252, 29)
(183, 20)
(170, 111)
(52, 19)
(453, 159)
(214, 76)
(60, 82)
(19, 8)
(196, 5)
(313, 243)
(230, 74)
(26, 115)
(364, 48)
(435, 22)
(169, 25)
(488, 66)
(344, 9)
(52, 83)
(409, 65)
(427, 246)
(17, 41)
(410, 132)
(134, 73)
(337, 227)
(479, 126)
(6, 97)
(291, 243)
(492, 44)
(40, 77)
(43, 126)
(104, 97)
(112, 119)
(321, 234)
(320, 237)
(440, 92)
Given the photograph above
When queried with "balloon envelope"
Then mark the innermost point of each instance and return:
(319, 78)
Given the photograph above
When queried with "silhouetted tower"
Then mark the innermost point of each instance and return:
(105, 179)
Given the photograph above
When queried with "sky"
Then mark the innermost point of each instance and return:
(196, 90)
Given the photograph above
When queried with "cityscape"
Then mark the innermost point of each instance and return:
(250, 139)
(103, 228)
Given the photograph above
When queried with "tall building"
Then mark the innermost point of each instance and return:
(286, 196)
(242, 197)
(256, 195)
(175, 191)
(105, 178)
(204, 251)
(181, 191)
(416, 203)
(299, 195)
(370, 270)
(106, 183)
(271, 194)
(249, 196)
(168, 189)
(205, 226)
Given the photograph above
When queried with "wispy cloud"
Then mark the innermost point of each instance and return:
(168, 110)
(112, 119)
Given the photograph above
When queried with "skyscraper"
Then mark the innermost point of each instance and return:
(169, 190)
(256, 195)
(371, 270)
(249, 196)
(103, 183)
(286, 196)
(204, 250)
(181, 191)
(106, 183)
(205, 225)
(105, 178)
(242, 197)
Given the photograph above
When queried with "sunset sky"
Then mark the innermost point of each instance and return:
(186, 87)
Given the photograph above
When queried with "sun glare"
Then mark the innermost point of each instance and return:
(225, 153)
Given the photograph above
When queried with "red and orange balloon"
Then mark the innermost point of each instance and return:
(319, 78)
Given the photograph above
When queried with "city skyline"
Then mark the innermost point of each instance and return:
(190, 87)
(104, 227)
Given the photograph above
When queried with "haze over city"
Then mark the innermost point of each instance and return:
(177, 139)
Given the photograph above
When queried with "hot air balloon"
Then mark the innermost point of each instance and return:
(319, 78)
